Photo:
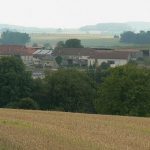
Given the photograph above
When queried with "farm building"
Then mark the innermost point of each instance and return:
(89, 56)
(74, 56)
(114, 58)
(25, 53)
(44, 58)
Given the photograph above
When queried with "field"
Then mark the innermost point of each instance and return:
(37, 130)
(88, 40)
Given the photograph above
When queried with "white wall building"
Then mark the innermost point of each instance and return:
(114, 58)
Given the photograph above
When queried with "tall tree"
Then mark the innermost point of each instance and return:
(71, 90)
(9, 37)
(136, 38)
(15, 82)
(125, 92)
(73, 43)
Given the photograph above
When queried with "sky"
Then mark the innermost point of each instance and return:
(72, 13)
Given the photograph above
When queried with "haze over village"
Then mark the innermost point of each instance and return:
(75, 75)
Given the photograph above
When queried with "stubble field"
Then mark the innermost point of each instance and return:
(39, 130)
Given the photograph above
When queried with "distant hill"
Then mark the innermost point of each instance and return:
(104, 28)
(4, 27)
(116, 28)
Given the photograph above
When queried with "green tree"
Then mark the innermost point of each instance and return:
(25, 103)
(98, 74)
(60, 44)
(137, 38)
(9, 37)
(73, 43)
(71, 90)
(125, 92)
(40, 93)
(59, 60)
(47, 46)
(15, 82)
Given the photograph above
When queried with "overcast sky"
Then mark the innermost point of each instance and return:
(72, 13)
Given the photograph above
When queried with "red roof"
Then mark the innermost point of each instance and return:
(110, 55)
(16, 50)
(93, 53)
(73, 52)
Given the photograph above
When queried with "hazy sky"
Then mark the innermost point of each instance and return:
(72, 13)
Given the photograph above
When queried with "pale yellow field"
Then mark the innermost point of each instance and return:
(37, 130)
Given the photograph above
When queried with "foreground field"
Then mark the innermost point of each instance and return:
(37, 130)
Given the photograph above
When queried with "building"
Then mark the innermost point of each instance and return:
(89, 56)
(114, 58)
(25, 53)
(44, 58)
(74, 56)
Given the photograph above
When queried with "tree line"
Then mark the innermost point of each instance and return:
(14, 38)
(135, 38)
(123, 90)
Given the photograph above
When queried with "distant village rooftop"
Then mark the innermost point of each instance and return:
(16, 50)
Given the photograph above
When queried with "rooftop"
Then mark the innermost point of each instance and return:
(16, 50)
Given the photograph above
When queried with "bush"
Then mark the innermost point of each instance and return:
(25, 103)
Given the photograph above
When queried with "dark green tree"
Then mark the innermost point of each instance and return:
(47, 46)
(128, 37)
(98, 74)
(59, 60)
(40, 93)
(9, 37)
(136, 38)
(24, 103)
(125, 92)
(71, 90)
(73, 43)
(15, 82)
(60, 44)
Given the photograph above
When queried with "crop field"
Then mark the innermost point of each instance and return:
(39, 130)
(88, 40)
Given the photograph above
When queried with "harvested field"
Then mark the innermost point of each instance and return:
(43, 130)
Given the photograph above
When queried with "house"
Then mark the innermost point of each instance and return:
(74, 56)
(44, 58)
(91, 56)
(25, 53)
(114, 58)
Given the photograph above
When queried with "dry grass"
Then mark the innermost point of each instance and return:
(37, 130)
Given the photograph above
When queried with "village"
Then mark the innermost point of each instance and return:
(37, 59)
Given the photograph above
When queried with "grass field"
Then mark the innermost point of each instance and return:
(37, 130)
(88, 40)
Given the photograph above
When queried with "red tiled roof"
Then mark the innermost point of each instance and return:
(16, 50)
(93, 53)
(111, 55)
(74, 52)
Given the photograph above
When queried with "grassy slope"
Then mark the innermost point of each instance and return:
(37, 130)
(88, 40)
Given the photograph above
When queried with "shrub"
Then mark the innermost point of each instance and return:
(25, 103)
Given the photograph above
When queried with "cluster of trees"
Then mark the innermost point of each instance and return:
(9, 37)
(120, 91)
(15, 82)
(71, 43)
(135, 38)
